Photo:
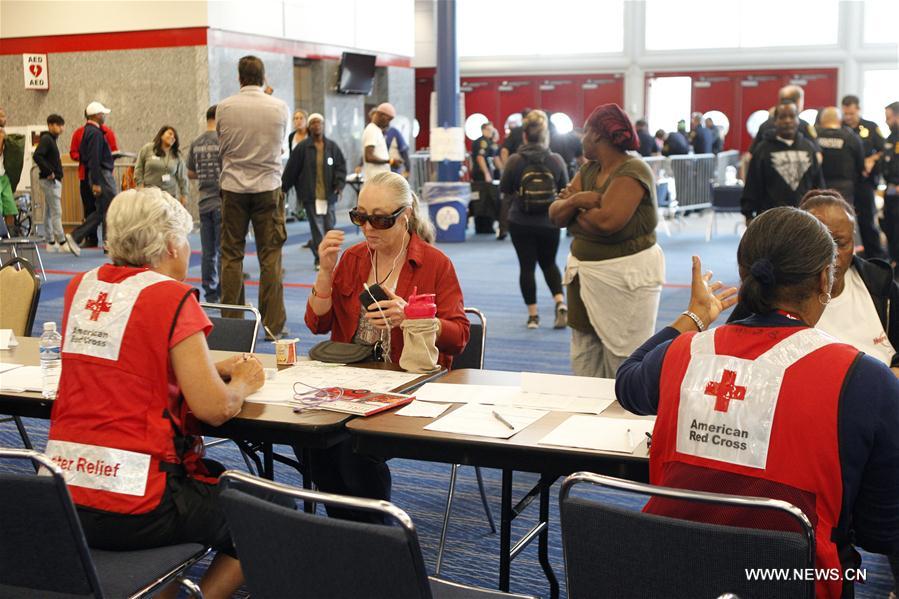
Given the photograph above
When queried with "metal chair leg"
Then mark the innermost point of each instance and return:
(23, 433)
(446, 516)
(477, 473)
(192, 588)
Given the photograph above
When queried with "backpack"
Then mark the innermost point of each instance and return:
(537, 189)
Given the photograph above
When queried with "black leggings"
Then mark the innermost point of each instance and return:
(536, 245)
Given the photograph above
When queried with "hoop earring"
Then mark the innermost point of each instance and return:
(824, 302)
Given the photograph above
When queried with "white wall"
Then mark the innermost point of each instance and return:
(384, 26)
(31, 18)
(853, 55)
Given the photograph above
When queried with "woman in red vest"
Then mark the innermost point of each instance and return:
(137, 379)
(772, 407)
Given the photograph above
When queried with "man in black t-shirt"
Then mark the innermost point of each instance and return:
(676, 144)
(783, 167)
(889, 163)
(483, 151)
(513, 140)
(700, 137)
(873, 141)
(843, 154)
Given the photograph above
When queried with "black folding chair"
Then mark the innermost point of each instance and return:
(616, 553)
(44, 551)
(286, 552)
(471, 357)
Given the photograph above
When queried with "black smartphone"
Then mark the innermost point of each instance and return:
(373, 294)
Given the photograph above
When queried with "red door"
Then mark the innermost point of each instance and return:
(716, 92)
(424, 85)
(481, 96)
(515, 94)
(598, 90)
(562, 94)
(757, 92)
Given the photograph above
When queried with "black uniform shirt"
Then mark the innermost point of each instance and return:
(843, 155)
(890, 160)
(514, 139)
(486, 147)
(676, 144)
(873, 141)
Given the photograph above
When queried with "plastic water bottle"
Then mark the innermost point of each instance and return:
(51, 360)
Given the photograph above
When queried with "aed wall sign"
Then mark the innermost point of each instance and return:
(36, 74)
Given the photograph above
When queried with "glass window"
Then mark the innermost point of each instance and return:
(809, 115)
(755, 121)
(562, 122)
(532, 28)
(473, 125)
(737, 24)
(669, 102)
(416, 128)
(881, 87)
(719, 120)
(512, 121)
(880, 22)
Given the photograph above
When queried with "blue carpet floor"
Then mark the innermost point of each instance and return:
(488, 271)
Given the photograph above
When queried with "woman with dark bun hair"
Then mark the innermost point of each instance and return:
(615, 269)
(770, 406)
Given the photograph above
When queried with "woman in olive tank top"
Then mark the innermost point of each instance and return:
(615, 269)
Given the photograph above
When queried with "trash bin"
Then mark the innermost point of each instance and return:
(448, 209)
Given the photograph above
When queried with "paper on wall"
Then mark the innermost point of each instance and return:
(447, 143)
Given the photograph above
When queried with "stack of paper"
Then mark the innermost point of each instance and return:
(538, 391)
(600, 433)
(17, 378)
(486, 421)
(311, 375)
(7, 339)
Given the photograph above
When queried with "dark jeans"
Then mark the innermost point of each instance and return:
(266, 211)
(88, 206)
(536, 245)
(338, 470)
(867, 228)
(211, 266)
(88, 229)
(319, 224)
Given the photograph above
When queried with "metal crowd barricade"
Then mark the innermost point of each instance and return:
(419, 170)
(692, 175)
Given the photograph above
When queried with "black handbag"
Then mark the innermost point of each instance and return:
(336, 352)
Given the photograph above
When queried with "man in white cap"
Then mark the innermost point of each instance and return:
(376, 158)
(317, 169)
(96, 156)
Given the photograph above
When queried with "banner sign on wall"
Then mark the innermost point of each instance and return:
(36, 74)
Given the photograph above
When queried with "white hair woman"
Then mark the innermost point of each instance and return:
(137, 378)
(396, 257)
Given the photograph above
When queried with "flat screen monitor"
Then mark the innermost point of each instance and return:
(357, 73)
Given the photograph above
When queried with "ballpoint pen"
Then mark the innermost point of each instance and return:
(503, 420)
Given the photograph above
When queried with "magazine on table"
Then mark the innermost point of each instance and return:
(360, 402)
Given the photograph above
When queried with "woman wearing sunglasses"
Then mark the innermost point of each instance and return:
(397, 257)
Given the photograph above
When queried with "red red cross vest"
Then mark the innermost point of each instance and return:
(114, 430)
(753, 411)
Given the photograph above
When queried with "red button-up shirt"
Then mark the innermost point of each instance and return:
(426, 268)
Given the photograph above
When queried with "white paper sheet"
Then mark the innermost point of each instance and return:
(312, 375)
(570, 386)
(24, 378)
(447, 144)
(596, 432)
(423, 409)
(478, 420)
(4, 366)
(506, 395)
(7, 339)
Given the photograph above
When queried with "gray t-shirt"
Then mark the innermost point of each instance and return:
(204, 159)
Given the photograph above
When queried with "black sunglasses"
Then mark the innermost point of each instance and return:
(377, 221)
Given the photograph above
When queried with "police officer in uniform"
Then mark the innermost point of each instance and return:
(864, 193)
(889, 163)
(484, 151)
(843, 153)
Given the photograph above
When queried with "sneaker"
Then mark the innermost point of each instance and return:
(51, 248)
(561, 316)
(72, 246)
(534, 321)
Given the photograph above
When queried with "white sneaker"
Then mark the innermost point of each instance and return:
(51, 248)
(72, 245)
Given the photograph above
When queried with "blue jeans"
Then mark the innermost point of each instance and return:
(211, 266)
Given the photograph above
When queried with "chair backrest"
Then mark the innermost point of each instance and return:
(43, 549)
(20, 292)
(289, 553)
(473, 354)
(726, 198)
(613, 552)
(233, 334)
